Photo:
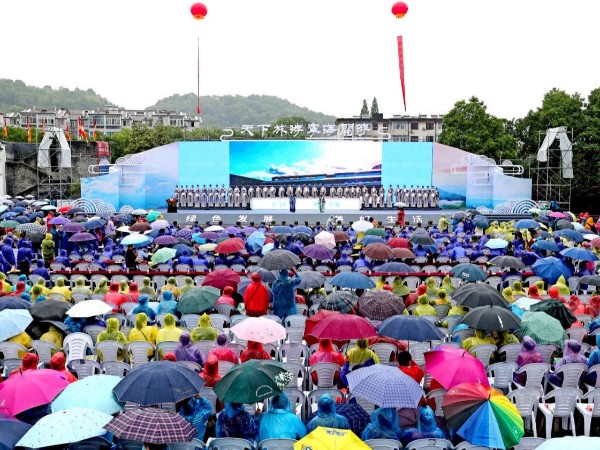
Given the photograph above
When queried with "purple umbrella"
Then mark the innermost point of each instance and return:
(232, 230)
(248, 230)
(59, 220)
(82, 237)
(73, 227)
(210, 235)
(317, 251)
(166, 240)
(184, 233)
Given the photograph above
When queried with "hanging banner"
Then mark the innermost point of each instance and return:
(401, 66)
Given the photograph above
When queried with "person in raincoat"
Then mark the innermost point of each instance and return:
(58, 362)
(54, 335)
(112, 333)
(167, 305)
(19, 289)
(534, 293)
(48, 247)
(571, 355)
(280, 422)
(30, 361)
(143, 307)
(41, 270)
(442, 297)
(443, 223)
(594, 306)
(234, 421)
(540, 285)
(326, 353)
(23, 339)
(22, 279)
(507, 293)
(143, 331)
(576, 307)
(383, 425)
(284, 294)
(409, 367)
(147, 288)
(6, 287)
(480, 338)
(123, 287)
(426, 428)
(256, 297)
(447, 285)
(42, 283)
(517, 289)
(529, 354)
(133, 293)
(171, 286)
(81, 288)
(361, 353)
(102, 287)
(593, 359)
(254, 350)
(432, 289)
(327, 416)
(222, 352)
(424, 308)
(561, 284)
(226, 298)
(169, 332)
(188, 286)
(210, 372)
(60, 288)
(185, 351)
(399, 288)
(196, 410)
(204, 331)
(113, 296)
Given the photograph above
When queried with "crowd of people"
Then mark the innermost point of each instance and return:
(144, 310)
(371, 196)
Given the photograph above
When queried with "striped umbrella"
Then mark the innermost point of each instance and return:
(379, 304)
(342, 301)
(151, 425)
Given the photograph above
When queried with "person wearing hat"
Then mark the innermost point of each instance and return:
(284, 295)
(256, 297)
(147, 288)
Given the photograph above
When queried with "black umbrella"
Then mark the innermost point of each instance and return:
(508, 261)
(266, 275)
(474, 295)
(49, 310)
(14, 303)
(311, 280)
(159, 382)
(342, 301)
(279, 260)
(590, 280)
(421, 239)
(468, 272)
(492, 318)
(395, 267)
(563, 224)
(556, 309)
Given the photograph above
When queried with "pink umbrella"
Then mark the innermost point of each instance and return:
(557, 215)
(344, 327)
(259, 329)
(221, 278)
(451, 366)
(26, 390)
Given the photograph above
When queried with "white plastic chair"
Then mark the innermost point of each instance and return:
(76, 345)
(438, 396)
(529, 443)
(325, 373)
(468, 446)
(190, 320)
(276, 444)
(547, 350)
(535, 375)
(137, 353)
(384, 351)
(116, 368)
(218, 321)
(93, 331)
(417, 351)
(368, 406)
(230, 444)
(430, 444)
(224, 309)
(527, 401)
(84, 368)
(11, 350)
(108, 350)
(503, 375)
(204, 346)
(563, 408)
(384, 444)
(209, 394)
(577, 333)
(483, 353)
(571, 375)
(589, 410)
(594, 369)
(165, 347)
(293, 352)
(224, 367)
(44, 350)
(511, 351)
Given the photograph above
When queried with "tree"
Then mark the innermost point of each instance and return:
(365, 109)
(470, 127)
(586, 156)
(374, 107)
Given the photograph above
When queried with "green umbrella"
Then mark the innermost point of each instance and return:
(152, 216)
(198, 300)
(554, 308)
(163, 255)
(253, 381)
(375, 232)
(542, 328)
(9, 224)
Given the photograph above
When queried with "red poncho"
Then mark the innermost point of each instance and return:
(256, 297)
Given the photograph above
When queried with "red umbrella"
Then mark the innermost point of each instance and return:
(595, 242)
(378, 251)
(341, 236)
(64, 209)
(344, 328)
(401, 252)
(398, 243)
(232, 245)
(313, 321)
(221, 278)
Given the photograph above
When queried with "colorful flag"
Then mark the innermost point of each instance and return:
(68, 133)
(81, 130)
(95, 134)
(28, 130)
(5, 130)
(401, 66)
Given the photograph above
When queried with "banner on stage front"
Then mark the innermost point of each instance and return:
(305, 204)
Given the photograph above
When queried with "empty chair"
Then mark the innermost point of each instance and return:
(84, 368)
(219, 321)
(294, 335)
(11, 350)
(384, 351)
(204, 346)
(116, 368)
(483, 353)
(430, 444)
(190, 320)
(417, 351)
(276, 444)
(585, 319)
(78, 297)
(137, 353)
(535, 374)
(77, 346)
(529, 443)
(441, 311)
(230, 444)
(589, 410)
(511, 351)
(293, 352)
(57, 296)
(128, 307)
(438, 396)
(547, 350)
(594, 369)
(563, 408)
(93, 331)
(325, 373)
(503, 375)
(300, 373)
(44, 350)
(10, 364)
(384, 444)
(224, 309)
(108, 351)
(578, 333)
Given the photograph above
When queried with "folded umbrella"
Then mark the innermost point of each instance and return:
(385, 386)
(253, 381)
(221, 278)
(378, 251)
(543, 328)
(483, 416)
(451, 366)
(65, 427)
(556, 309)
(318, 251)
(468, 272)
(550, 269)
(342, 301)
(507, 261)
(278, 260)
(396, 267)
(13, 322)
(11, 431)
(492, 318)
(473, 295)
(343, 327)
(162, 255)
(41, 386)
(89, 308)
(159, 382)
(152, 426)
(409, 328)
(379, 304)
(352, 280)
(259, 329)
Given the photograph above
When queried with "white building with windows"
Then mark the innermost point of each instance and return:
(398, 128)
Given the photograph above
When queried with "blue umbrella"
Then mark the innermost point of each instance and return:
(580, 254)
(21, 219)
(496, 243)
(281, 229)
(545, 234)
(18, 209)
(481, 222)
(13, 322)
(548, 246)
(370, 239)
(3, 208)
(395, 267)
(91, 392)
(303, 229)
(409, 328)
(181, 247)
(550, 269)
(571, 235)
(526, 224)
(94, 223)
(11, 431)
(468, 272)
(352, 280)
(14, 303)
(255, 241)
(135, 239)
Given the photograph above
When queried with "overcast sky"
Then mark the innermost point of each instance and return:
(326, 55)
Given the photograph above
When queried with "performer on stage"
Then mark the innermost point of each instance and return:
(322, 203)
(292, 203)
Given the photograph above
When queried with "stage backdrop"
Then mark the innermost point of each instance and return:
(147, 179)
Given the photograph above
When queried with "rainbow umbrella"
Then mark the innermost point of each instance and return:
(483, 416)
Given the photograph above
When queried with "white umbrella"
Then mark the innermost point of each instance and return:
(123, 229)
(326, 239)
(214, 228)
(159, 224)
(590, 236)
(89, 308)
(259, 329)
(400, 204)
(362, 225)
(139, 212)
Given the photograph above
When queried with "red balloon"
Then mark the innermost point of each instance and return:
(199, 11)
(399, 9)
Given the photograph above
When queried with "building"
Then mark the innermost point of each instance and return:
(108, 120)
(398, 128)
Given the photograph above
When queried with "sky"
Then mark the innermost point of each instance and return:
(326, 55)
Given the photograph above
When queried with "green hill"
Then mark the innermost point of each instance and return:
(17, 96)
(236, 110)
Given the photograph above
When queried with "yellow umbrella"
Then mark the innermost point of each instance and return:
(330, 439)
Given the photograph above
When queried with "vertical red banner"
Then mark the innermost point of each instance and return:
(401, 67)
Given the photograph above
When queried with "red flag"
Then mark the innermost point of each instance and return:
(28, 131)
(401, 66)
(95, 134)
(67, 133)
(80, 129)
(5, 130)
